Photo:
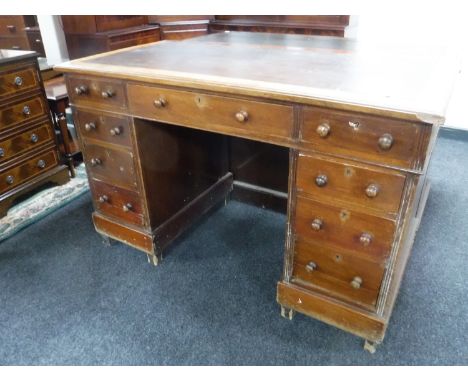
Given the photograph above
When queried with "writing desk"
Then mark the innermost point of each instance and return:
(358, 121)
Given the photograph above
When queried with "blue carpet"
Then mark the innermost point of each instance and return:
(67, 299)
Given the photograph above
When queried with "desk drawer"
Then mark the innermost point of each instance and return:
(117, 202)
(104, 127)
(340, 227)
(114, 166)
(338, 273)
(98, 93)
(17, 175)
(21, 143)
(365, 186)
(22, 111)
(387, 141)
(209, 112)
(17, 81)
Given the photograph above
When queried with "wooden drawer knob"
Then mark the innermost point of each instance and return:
(18, 81)
(311, 266)
(317, 224)
(160, 102)
(89, 126)
(323, 130)
(81, 90)
(26, 110)
(242, 116)
(10, 179)
(2, 153)
(365, 239)
(372, 190)
(127, 207)
(41, 163)
(321, 180)
(386, 142)
(356, 282)
(107, 94)
(103, 199)
(11, 28)
(115, 131)
(95, 162)
(34, 138)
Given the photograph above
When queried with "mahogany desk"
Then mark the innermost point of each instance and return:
(359, 123)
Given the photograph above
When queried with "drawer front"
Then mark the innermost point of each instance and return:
(21, 143)
(366, 187)
(104, 127)
(99, 93)
(118, 202)
(213, 113)
(18, 81)
(12, 25)
(111, 165)
(387, 141)
(338, 273)
(367, 236)
(14, 43)
(15, 176)
(22, 111)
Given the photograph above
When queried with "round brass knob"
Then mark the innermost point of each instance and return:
(81, 89)
(242, 116)
(365, 239)
(103, 199)
(34, 138)
(115, 131)
(26, 110)
(317, 224)
(160, 102)
(10, 179)
(107, 94)
(89, 126)
(95, 161)
(41, 163)
(311, 266)
(127, 207)
(321, 180)
(386, 142)
(323, 130)
(18, 81)
(2, 152)
(372, 190)
(356, 282)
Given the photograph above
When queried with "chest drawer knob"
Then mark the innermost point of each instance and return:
(10, 179)
(11, 28)
(15, 47)
(365, 239)
(103, 199)
(41, 163)
(386, 142)
(354, 124)
(311, 266)
(242, 116)
(90, 126)
(116, 131)
(81, 90)
(160, 102)
(34, 138)
(317, 224)
(18, 81)
(95, 162)
(372, 190)
(2, 153)
(107, 94)
(356, 283)
(321, 180)
(127, 207)
(323, 130)
(26, 110)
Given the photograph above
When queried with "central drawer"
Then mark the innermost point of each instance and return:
(22, 111)
(209, 112)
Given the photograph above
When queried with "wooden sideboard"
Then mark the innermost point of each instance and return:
(28, 151)
(156, 125)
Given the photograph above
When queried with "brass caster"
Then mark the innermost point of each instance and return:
(287, 313)
(152, 259)
(370, 346)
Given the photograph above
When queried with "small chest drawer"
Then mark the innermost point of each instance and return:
(12, 25)
(17, 175)
(104, 127)
(117, 202)
(15, 43)
(21, 143)
(367, 187)
(22, 111)
(111, 165)
(98, 93)
(338, 273)
(381, 140)
(18, 81)
(340, 227)
(209, 112)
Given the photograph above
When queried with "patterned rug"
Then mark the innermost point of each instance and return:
(42, 204)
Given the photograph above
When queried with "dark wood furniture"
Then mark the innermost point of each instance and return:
(86, 35)
(21, 33)
(181, 27)
(156, 125)
(28, 151)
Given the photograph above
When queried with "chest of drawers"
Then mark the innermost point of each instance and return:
(28, 151)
